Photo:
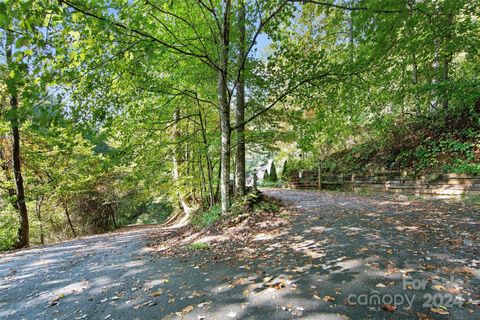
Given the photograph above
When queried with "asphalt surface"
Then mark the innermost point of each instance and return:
(339, 254)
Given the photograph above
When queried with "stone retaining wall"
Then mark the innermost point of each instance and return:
(446, 185)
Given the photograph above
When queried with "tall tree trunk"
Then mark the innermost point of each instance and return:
(23, 239)
(436, 62)
(411, 5)
(224, 107)
(23, 232)
(240, 111)
(351, 47)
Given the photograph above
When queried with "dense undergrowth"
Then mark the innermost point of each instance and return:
(442, 142)
(252, 202)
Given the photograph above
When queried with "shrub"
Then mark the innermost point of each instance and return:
(272, 184)
(8, 230)
(207, 218)
(267, 206)
(462, 167)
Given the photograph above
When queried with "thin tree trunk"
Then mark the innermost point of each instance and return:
(415, 82)
(176, 160)
(23, 231)
(203, 187)
(6, 171)
(69, 220)
(445, 68)
(350, 36)
(207, 157)
(240, 111)
(38, 211)
(217, 187)
(319, 175)
(224, 108)
(113, 217)
(436, 63)
(446, 64)
(436, 75)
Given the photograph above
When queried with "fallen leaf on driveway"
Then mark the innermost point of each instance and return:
(279, 285)
(389, 307)
(197, 294)
(55, 301)
(187, 309)
(156, 293)
(146, 304)
(439, 311)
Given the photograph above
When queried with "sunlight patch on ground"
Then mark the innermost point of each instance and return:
(408, 228)
(264, 237)
(351, 264)
(318, 229)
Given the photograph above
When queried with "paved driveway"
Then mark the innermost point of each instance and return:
(341, 256)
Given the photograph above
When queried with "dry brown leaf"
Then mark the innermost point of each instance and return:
(197, 293)
(56, 300)
(389, 307)
(156, 293)
(439, 311)
(187, 309)
(439, 287)
(279, 285)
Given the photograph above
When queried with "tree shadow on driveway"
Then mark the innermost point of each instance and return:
(341, 257)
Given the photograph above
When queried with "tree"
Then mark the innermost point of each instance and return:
(240, 110)
(273, 173)
(224, 105)
(12, 89)
(266, 176)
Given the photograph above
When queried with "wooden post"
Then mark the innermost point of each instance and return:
(319, 175)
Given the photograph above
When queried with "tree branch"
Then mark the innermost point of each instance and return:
(202, 57)
(285, 94)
